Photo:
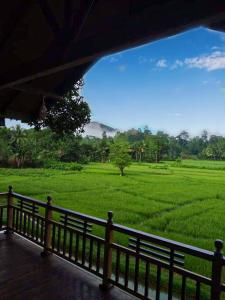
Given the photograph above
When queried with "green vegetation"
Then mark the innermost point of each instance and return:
(181, 199)
(30, 148)
(119, 156)
(67, 115)
(180, 203)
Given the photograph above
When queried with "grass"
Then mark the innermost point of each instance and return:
(185, 203)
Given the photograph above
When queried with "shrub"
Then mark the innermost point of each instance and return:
(159, 166)
(178, 162)
(73, 166)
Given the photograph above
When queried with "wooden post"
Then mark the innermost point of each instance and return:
(107, 267)
(47, 232)
(217, 270)
(9, 228)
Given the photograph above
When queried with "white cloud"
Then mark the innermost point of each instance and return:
(178, 63)
(142, 59)
(177, 114)
(215, 48)
(162, 63)
(211, 62)
(122, 68)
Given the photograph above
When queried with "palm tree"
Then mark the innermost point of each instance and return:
(18, 140)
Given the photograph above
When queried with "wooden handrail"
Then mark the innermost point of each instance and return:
(3, 194)
(185, 248)
(188, 249)
(102, 255)
(59, 209)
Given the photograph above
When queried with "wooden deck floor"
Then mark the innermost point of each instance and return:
(25, 275)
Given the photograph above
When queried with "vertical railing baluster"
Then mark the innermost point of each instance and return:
(13, 220)
(217, 270)
(9, 211)
(70, 243)
(98, 256)
(147, 277)
(24, 222)
(77, 247)
(127, 266)
(59, 239)
(33, 220)
(53, 236)
(90, 254)
(117, 265)
(198, 290)
(107, 266)
(84, 242)
(17, 218)
(170, 285)
(42, 230)
(37, 229)
(183, 288)
(1, 217)
(158, 282)
(65, 234)
(28, 224)
(136, 272)
(21, 215)
(48, 228)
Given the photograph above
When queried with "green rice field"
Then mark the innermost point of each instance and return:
(183, 202)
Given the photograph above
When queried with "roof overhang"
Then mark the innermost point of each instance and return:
(47, 45)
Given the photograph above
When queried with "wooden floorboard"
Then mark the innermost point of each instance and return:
(25, 275)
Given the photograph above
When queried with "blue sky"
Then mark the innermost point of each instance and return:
(172, 84)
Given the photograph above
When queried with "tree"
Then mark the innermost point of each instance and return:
(67, 115)
(195, 146)
(183, 138)
(174, 148)
(5, 152)
(119, 156)
(156, 146)
(204, 136)
(104, 148)
(18, 141)
(147, 131)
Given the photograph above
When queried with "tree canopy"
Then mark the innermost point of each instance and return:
(68, 115)
(27, 147)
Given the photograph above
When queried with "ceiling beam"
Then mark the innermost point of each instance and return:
(49, 16)
(16, 16)
(149, 25)
(36, 91)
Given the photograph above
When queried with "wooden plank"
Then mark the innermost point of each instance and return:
(28, 276)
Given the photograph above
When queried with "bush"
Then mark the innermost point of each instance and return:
(159, 166)
(63, 166)
(178, 162)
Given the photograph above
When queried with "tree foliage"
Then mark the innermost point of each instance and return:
(21, 147)
(119, 155)
(68, 115)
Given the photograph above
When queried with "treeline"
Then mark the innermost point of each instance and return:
(31, 148)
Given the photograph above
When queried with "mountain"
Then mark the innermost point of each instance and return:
(96, 129)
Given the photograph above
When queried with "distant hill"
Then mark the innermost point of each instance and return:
(96, 129)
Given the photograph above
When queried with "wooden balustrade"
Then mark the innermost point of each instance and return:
(142, 264)
(3, 211)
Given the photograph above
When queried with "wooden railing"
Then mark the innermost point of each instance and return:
(142, 264)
